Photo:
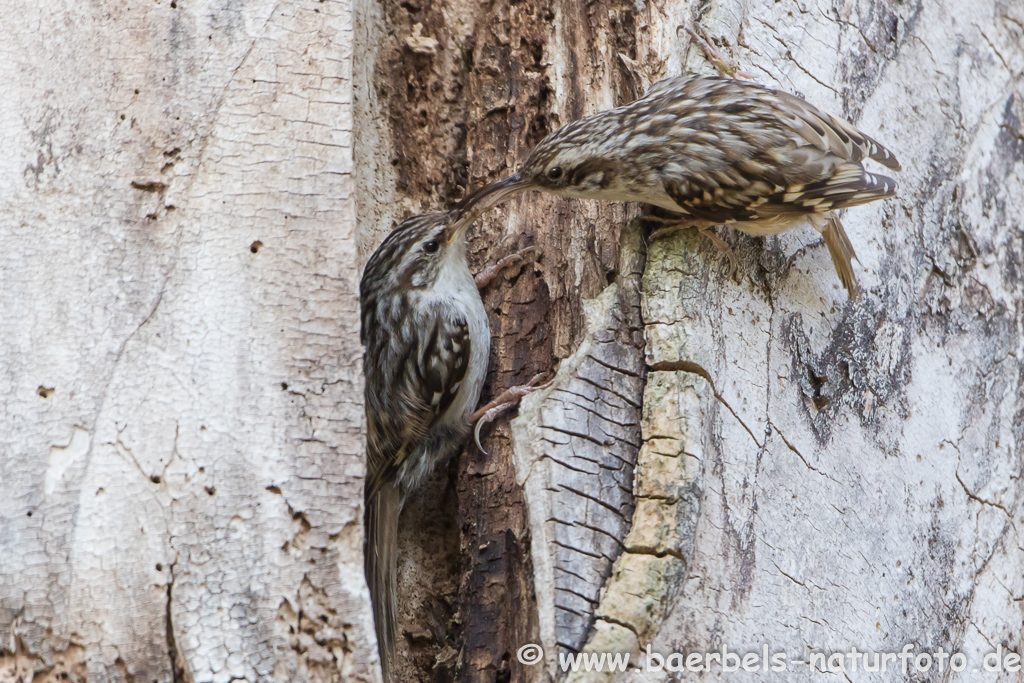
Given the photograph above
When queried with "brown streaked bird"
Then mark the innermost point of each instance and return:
(717, 151)
(427, 340)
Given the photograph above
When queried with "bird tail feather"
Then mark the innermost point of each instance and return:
(381, 565)
(841, 251)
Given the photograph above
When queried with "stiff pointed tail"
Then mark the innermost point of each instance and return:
(841, 251)
(381, 564)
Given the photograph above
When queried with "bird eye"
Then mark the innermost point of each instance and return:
(555, 172)
(431, 247)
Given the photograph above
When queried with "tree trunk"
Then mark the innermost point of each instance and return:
(182, 424)
(776, 426)
(189, 193)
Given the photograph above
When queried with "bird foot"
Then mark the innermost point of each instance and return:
(724, 248)
(725, 64)
(488, 274)
(504, 401)
(673, 225)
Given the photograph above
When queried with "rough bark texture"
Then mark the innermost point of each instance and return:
(181, 444)
(183, 226)
(575, 447)
(783, 426)
(460, 93)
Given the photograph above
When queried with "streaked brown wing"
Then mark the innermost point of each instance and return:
(432, 369)
(754, 154)
(833, 134)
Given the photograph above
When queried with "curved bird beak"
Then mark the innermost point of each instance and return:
(479, 202)
(491, 195)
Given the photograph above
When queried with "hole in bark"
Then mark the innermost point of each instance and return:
(174, 5)
(210, 490)
(284, 386)
(122, 117)
(45, 392)
(255, 246)
(159, 567)
(155, 479)
(28, 514)
(504, 674)
(274, 489)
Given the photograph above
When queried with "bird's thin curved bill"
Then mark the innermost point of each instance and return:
(491, 195)
(487, 197)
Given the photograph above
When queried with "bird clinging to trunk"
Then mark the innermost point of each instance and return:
(715, 151)
(427, 340)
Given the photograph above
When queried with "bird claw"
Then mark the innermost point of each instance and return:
(723, 247)
(505, 400)
(673, 225)
(726, 65)
(487, 275)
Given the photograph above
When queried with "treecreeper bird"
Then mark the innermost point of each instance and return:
(716, 151)
(427, 340)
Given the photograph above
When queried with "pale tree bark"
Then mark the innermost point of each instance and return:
(716, 463)
(180, 366)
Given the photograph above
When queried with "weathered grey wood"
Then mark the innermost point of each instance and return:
(181, 444)
(819, 474)
(194, 520)
(575, 446)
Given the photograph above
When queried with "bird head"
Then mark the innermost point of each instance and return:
(571, 162)
(415, 253)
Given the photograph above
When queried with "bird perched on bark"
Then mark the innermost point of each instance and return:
(427, 340)
(716, 151)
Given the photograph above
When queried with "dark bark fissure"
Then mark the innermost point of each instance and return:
(177, 668)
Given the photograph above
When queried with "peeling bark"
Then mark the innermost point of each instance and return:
(782, 424)
(575, 446)
(189, 192)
